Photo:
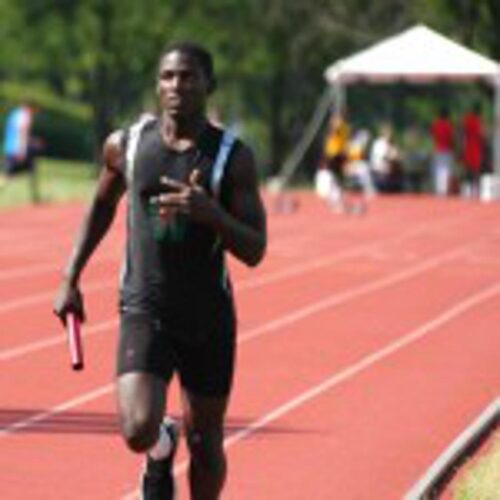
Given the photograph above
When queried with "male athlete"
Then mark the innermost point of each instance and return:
(192, 194)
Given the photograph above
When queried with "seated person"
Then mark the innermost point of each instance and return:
(385, 160)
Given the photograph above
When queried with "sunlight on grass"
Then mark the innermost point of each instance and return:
(59, 181)
(482, 481)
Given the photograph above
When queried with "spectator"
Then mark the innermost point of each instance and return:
(385, 162)
(415, 160)
(20, 146)
(473, 150)
(334, 158)
(443, 138)
(358, 182)
(337, 142)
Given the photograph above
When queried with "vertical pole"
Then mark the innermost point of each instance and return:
(323, 107)
(339, 97)
(490, 184)
(496, 128)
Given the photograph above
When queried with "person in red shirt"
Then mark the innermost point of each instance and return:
(443, 137)
(473, 150)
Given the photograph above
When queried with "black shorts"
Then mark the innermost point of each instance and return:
(204, 367)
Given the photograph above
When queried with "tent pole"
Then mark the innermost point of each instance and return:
(339, 103)
(323, 107)
(492, 187)
(496, 128)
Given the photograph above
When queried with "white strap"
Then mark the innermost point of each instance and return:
(133, 141)
(226, 145)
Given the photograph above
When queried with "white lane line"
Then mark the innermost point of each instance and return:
(35, 270)
(270, 277)
(252, 282)
(16, 352)
(38, 298)
(30, 300)
(316, 308)
(456, 451)
(56, 410)
(353, 293)
(319, 263)
(28, 271)
(332, 300)
(301, 268)
(41, 246)
(350, 371)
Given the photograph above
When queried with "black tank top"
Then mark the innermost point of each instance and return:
(174, 269)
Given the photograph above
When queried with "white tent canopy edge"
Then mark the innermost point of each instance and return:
(419, 55)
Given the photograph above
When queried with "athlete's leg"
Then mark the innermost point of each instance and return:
(141, 403)
(144, 368)
(141, 407)
(204, 424)
(205, 371)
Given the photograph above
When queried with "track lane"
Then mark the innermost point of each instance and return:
(372, 436)
(11, 308)
(71, 444)
(274, 316)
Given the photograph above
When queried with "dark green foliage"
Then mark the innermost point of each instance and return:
(65, 137)
(270, 57)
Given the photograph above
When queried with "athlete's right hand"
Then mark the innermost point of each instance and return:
(189, 198)
(69, 299)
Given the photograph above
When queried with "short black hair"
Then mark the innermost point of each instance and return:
(198, 52)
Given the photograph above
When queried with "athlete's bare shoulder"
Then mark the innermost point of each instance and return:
(113, 154)
(243, 168)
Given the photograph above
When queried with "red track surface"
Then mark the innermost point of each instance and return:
(366, 345)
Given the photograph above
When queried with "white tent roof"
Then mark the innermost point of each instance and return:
(416, 55)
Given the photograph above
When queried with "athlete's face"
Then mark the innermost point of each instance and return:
(183, 87)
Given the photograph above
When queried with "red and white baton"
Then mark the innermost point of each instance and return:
(74, 341)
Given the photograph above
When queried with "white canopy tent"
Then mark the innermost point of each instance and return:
(418, 55)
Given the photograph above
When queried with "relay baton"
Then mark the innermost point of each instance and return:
(74, 341)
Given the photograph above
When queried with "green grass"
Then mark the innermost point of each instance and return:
(58, 180)
(482, 480)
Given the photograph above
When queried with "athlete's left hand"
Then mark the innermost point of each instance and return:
(189, 198)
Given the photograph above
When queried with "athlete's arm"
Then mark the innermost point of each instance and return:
(242, 228)
(110, 188)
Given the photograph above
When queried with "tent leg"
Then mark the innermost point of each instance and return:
(339, 98)
(493, 186)
(292, 163)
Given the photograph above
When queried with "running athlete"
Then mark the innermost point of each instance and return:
(192, 194)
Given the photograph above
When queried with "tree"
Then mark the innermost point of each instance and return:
(98, 51)
(473, 22)
(270, 54)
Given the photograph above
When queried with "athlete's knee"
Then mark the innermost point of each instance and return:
(207, 451)
(139, 430)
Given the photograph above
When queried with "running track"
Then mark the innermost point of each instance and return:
(366, 345)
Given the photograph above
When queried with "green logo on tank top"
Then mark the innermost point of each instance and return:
(170, 228)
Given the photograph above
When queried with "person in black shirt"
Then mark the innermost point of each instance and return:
(192, 194)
